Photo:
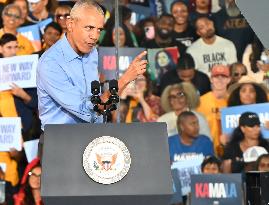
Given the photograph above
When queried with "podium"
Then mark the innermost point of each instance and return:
(65, 182)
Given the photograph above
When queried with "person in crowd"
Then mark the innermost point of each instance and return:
(9, 108)
(210, 49)
(144, 30)
(52, 33)
(30, 193)
(185, 72)
(143, 106)
(202, 8)
(23, 4)
(256, 60)
(188, 139)
(40, 10)
(247, 91)
(183, 31)
(63, 82)
(176, 99)
(62, 12)
(237, 70)
(263, 163)
(125, 39)
(247, 134)
(250, 157)
(232, 25)
(211, 165)
(213, 101)
(164, 27)
(11, 16)
(125, 19)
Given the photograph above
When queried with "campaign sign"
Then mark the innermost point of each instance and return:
(33, 34)
(230, 116)
(107, 60)
(139, 13)
(10, 133)
(216, 189)
(161, 60)
(186, 165)
(157, 7)
(20, 70)
(43, 24)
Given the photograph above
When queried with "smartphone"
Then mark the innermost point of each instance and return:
(149, 32)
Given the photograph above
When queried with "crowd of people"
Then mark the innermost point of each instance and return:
(221, 64)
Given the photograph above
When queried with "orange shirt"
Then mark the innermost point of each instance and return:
(210, 106)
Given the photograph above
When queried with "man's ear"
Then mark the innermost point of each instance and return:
(69, 24)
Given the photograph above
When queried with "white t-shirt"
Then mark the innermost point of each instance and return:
(205, 56)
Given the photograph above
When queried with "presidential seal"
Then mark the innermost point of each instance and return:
(106, 160)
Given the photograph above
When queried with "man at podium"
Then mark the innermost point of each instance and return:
(66, 70)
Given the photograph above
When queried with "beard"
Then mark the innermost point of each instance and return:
(232, 9)
(163, 33)
(210, 33)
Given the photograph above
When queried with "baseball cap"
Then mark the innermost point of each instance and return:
(249, 119)
(253, 153)
(220, 70)
(33, 1)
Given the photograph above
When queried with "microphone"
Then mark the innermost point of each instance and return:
(95, 87)
(113, 89)
(95, 90)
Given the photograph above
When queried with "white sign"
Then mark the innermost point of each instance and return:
(3, 166)
(10, 133)
(31, 149)
(20, 70)
(187, 165)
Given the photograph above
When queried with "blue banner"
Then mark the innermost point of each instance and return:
(230, 116)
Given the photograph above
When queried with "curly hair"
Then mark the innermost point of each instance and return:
(193, 99)
(234, 98)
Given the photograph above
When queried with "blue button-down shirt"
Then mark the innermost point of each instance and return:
(64, 85)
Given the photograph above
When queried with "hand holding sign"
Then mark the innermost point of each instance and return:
(19, 92)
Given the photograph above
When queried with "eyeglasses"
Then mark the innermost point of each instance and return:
(62, 16)
(34, 174)
(177, 96)
(239, 74)
(12, 15)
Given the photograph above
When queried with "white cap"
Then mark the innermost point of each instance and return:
(33, 1)
(253, 153)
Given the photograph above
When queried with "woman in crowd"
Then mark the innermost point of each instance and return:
(52, 34)
(23, 4)
(29, 193)
(40, 10)
(143, 106)
(125, 39)
(246, 135)
(247, 92)
(11, 20)
(61, 14)
(237, 71)
(178, 98)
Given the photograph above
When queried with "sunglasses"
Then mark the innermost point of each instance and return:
(62, 16)
(239, 74)
(177, 96)
(12, 15)
(34, 174)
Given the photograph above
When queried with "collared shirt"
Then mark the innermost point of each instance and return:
(64, 85)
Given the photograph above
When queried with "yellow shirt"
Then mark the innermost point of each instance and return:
(210, 106)
(25, 45)
(8, 109)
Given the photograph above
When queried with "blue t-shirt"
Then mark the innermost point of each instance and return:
(202, 145)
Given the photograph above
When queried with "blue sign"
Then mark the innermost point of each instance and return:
(230, 116)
